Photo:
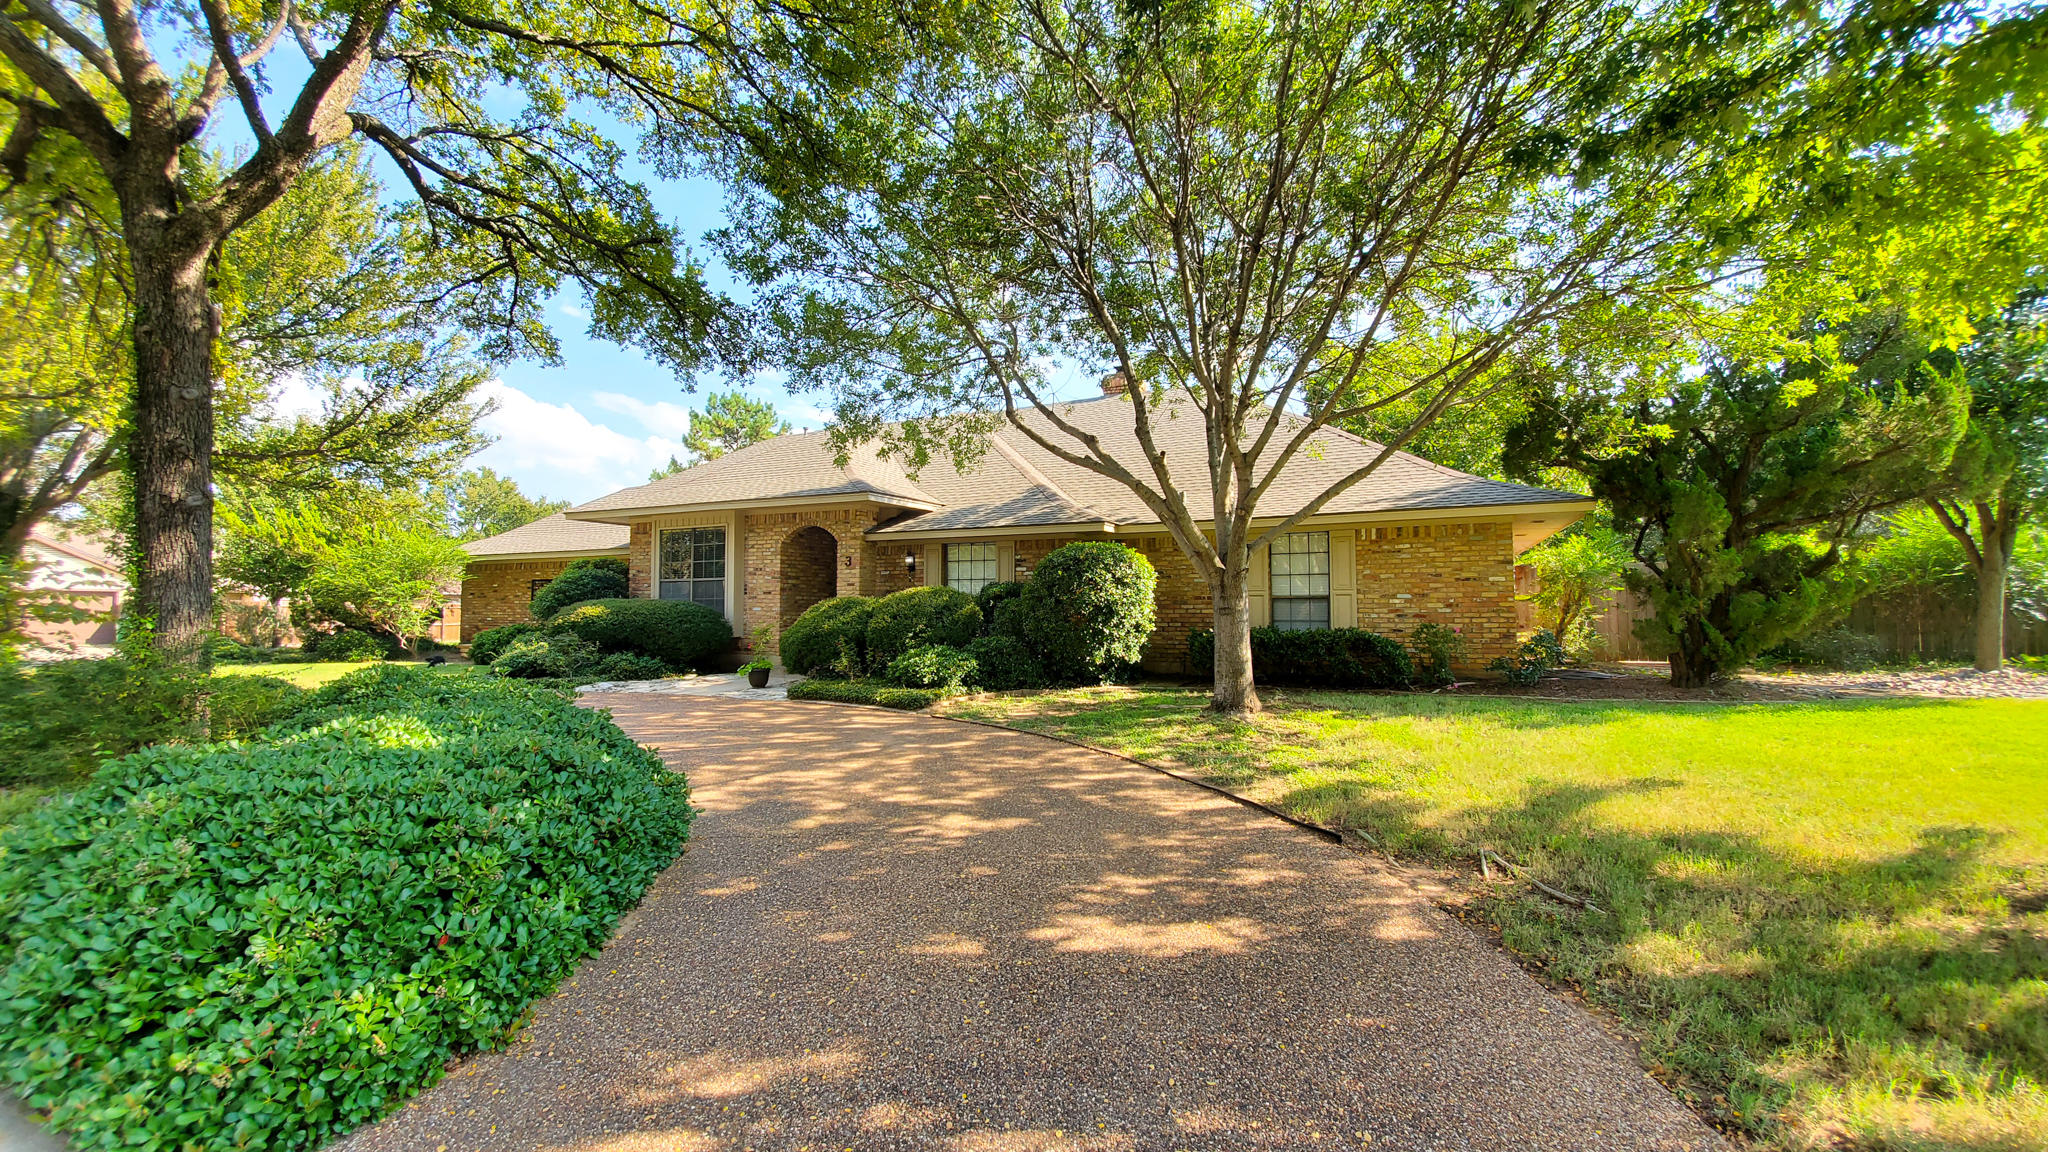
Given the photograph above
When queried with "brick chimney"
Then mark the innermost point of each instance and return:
(1114, 384)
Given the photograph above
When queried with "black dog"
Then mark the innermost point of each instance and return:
(436, 660)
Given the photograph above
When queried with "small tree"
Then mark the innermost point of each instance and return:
(728, 422)
(2001, 468)
(1577, 576)
(390, 577)
(1735, 486)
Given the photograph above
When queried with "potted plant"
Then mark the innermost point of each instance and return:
(757, 669)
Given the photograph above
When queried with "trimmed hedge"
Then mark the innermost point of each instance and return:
(831, 636)
(1314, 658)
(992, 597)
(859, 691)
(1087, 611)
(265, 945)
(492, 642)
(916, 617)
(602, 578)
(552, 656)
(932, 666)
(1002, 663)
(675, 632)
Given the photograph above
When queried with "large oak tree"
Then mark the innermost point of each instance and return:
(1284, 216)
(484, 109)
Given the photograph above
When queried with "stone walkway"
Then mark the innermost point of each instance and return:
(893, 931)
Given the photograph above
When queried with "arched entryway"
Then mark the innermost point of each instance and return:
(810, 570)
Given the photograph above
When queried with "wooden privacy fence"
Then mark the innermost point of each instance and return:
(1938, 632)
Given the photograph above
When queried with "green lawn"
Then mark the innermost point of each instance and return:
(304, 675)
(1827, 923)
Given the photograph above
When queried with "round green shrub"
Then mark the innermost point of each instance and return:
(915, 617)
(992, 597)
(1003, 662)
(247, 945)
(931, 666)
(1009, 619)
(1314, 658)
(678, 633)
(631, 666)
(237, 706)
(601, 578)
(831, 636)
(1088, 611)
(492, 641)
(552, 656)
(350, 644)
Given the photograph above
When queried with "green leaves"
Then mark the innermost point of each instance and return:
(274, 942)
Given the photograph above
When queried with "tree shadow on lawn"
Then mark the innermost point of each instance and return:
(1892, 1002)
(1533, 713)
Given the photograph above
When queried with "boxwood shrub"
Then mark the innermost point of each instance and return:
(1314, 658)
(916, 617)
(490, 643)
(1088, 611)
(600, 578)
(263, 945)
(863, 691)
(1002, 663)
(548, 656)
(675, 632)
(932, 666)
(992, 597)
(831, 636)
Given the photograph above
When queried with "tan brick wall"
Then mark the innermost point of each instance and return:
(496, 592)
(640, 560)
(885, 561)
(763, 535)
(1181, 603)
(1457, 574)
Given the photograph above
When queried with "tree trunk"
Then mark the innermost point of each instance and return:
(172, 446)
(1233, 694)
(1991, 606)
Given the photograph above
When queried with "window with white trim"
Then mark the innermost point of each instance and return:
(970, 567)
(1301, 581)
(692, 566)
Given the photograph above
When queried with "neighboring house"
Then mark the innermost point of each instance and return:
(765, 532)
(78, 571)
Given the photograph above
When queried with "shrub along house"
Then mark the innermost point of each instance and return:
(769, 530)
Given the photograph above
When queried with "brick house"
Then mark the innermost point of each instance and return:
(765, 532)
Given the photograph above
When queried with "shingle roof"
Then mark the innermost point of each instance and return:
(1019, 484)
(791, 467)
(555, 533)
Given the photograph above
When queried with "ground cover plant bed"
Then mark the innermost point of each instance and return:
(867, 692)
(1825, 922)
(267, 943)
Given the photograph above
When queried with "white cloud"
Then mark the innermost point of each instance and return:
(573, 310)
(661, 417)
(555, 450)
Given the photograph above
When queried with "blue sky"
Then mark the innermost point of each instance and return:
(606, 415)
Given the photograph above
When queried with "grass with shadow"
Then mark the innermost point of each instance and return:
(1826, 923)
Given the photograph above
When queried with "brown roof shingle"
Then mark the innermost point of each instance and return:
(1019, 484)
(556, 533)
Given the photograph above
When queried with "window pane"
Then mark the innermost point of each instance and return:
(1301, 613)
(675, 555)
(711, 594)
(970, 567)
(1301, 565)
(675, 590)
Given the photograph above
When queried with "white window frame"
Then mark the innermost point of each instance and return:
(702, 556)
(981, 560)
(1301, 586)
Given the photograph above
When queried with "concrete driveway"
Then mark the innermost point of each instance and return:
(895, 931)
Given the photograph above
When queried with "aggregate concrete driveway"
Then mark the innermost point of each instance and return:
(895, 931)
